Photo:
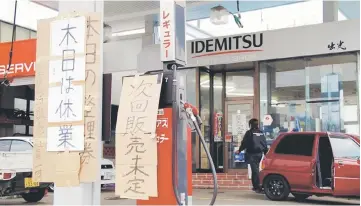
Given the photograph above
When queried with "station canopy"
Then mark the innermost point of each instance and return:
(128, 17)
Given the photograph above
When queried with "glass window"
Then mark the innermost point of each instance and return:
(313, 94)
(22, 33)
(331, 93)
(31, 109)
(30, 130)
(20, 129)
(343, 147)
(6, 31)
(205, 115)
(239, 84)
(20, 104)
(296, 144)
(5, 145)
(33, 34)
(238, 115)
(282, 95)
(217, 120)
(20, 146)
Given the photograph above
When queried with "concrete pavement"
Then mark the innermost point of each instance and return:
(202, 197)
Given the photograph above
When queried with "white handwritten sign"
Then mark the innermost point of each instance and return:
(67, 35)
(66, 85)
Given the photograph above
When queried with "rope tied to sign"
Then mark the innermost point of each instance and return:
(6, 81)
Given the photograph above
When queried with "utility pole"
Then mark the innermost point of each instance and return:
(86, 193)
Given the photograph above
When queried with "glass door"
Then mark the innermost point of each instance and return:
(238, 113)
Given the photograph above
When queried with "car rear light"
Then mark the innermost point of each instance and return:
(6, 176)
(263, 163)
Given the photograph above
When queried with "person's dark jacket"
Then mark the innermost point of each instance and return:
(253, 142)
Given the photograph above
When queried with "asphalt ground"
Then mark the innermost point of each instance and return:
(203, 197)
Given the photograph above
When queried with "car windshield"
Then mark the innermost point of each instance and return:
(344, 147)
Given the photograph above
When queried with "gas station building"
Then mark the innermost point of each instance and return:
(295, 71)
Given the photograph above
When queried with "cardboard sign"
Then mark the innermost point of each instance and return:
(136, 138)
(67, 167)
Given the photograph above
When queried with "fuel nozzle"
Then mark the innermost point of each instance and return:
(193, 111)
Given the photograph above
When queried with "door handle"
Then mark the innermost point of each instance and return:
(340, 163)
(313, 165)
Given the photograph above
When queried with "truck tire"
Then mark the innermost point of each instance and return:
(34, 196)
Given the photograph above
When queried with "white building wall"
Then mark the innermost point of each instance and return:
(122, 55)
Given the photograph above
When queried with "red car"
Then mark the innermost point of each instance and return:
(312, 163)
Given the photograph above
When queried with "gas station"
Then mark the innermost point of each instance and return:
(172, 104)
(211, 85)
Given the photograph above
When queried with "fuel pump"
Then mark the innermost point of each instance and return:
(174, 170)
(191, 112)
(183, 114)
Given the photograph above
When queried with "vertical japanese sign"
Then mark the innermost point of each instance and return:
(173, 31)
(42, 168)
(136, 138)
(167, 30)
(66, 85)
(89, 162)
(65, 99)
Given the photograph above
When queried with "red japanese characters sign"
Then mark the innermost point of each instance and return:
(167, 30)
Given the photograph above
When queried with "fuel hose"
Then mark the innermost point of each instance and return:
(175, 117)
(214, 173)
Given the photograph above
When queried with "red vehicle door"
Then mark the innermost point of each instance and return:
(346, 166)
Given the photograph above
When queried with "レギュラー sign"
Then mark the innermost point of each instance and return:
(226, 45)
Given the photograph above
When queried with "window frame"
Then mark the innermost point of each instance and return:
(290, 136)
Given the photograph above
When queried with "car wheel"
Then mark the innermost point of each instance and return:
(34, 196)
(51, 187)
(300, 197)
(276, 188)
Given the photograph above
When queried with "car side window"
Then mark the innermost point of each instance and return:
(344, 147)
(296, 144)
(20, 146)
(5, 145)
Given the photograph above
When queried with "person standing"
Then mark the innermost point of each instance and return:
(255, 144)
